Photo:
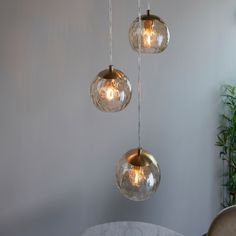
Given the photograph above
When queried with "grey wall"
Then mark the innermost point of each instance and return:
(58, 153)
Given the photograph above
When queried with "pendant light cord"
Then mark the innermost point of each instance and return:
(139, 75)
(148, 4)
(110, 30)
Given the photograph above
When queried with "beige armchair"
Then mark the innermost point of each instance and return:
(224, 223)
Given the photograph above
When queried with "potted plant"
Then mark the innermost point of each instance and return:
(226, 140)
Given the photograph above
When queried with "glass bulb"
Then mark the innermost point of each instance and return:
(137, 175)
(111, 90)
(155, 35)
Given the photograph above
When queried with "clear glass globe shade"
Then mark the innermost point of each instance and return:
(155, 35)
(111, 90)
(138, 175)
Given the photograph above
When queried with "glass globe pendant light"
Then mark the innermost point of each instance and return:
(155, 35)
(111, 90)
(137, 172)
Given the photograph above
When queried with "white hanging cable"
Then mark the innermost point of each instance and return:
(148, 4)
(110, 30)
(139, 75)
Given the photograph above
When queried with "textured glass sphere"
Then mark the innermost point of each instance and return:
(138, 175)
(155, 35)
(111, 90)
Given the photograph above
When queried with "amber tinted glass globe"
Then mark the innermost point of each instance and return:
(137, 175)
(155, 35)
(111, 90)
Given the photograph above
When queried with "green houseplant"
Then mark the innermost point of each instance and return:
(226, 140)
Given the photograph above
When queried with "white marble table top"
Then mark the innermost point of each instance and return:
(129, 229)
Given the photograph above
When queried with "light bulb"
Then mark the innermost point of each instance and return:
(148, 37)
(111, 90)
(112, 93)
(155, 35)
(137, 175)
